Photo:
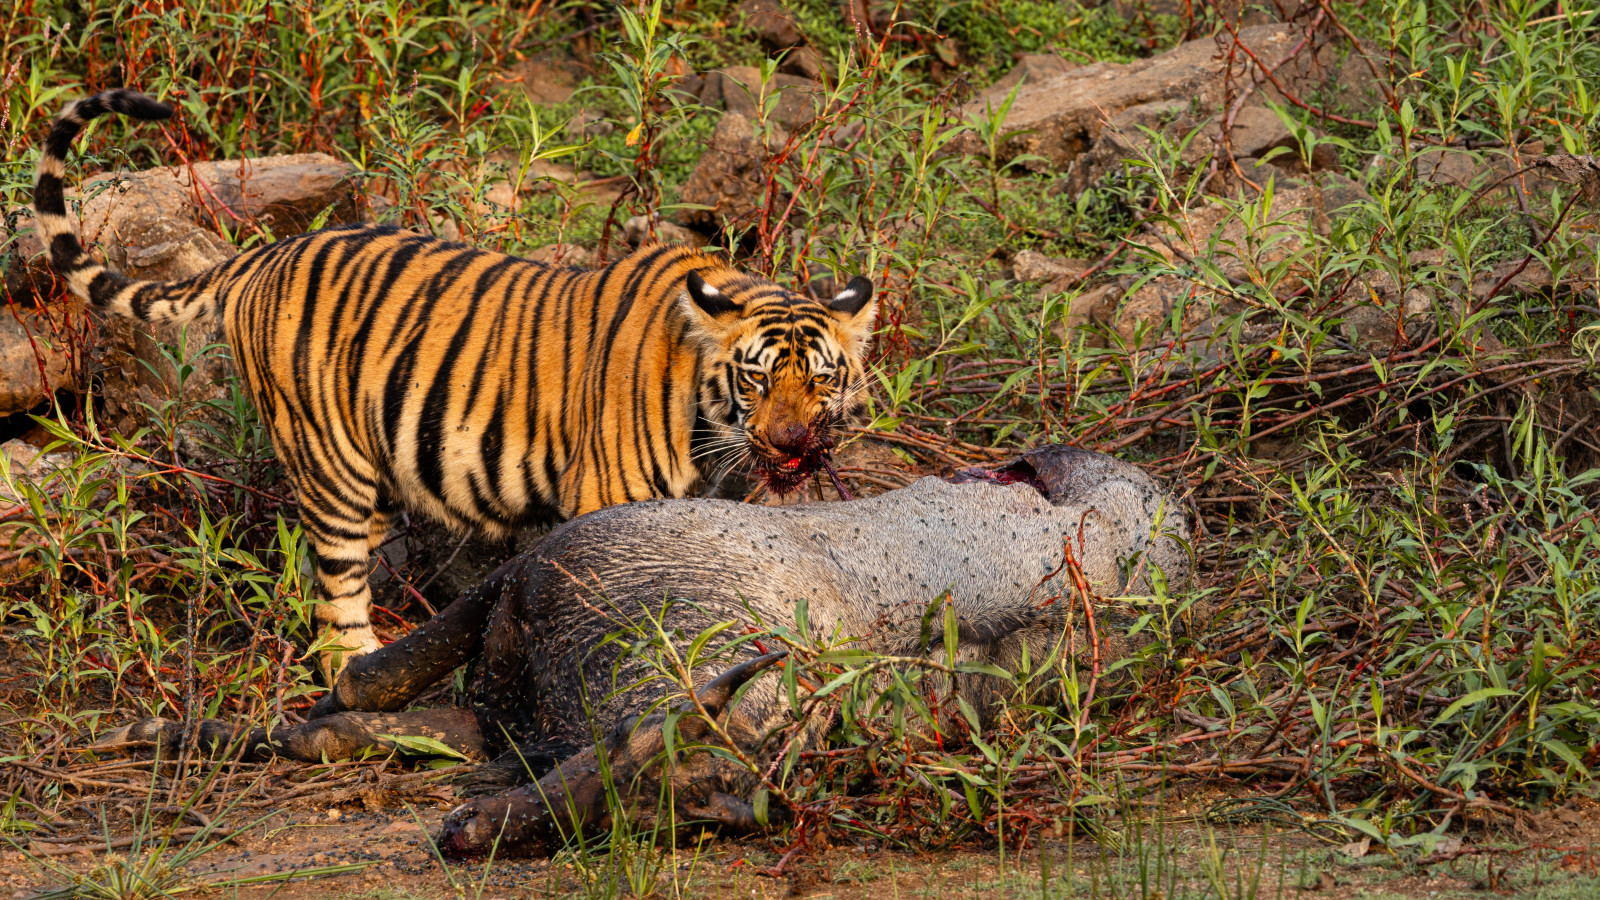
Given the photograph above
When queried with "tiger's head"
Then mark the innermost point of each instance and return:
(781, 373)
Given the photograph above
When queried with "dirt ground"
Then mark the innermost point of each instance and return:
(386, 854)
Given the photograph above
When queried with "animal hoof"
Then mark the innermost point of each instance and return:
(142, 731)
(513, 822)
(211, 736)
(467, 832)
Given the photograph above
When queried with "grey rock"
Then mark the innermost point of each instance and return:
(1132, 10)
(1126, 136)
(1257, 130)
(285, 193)
(1464, 169)
(772, 23)
(1212, 231)
(154, 225)
(1092, 306)
(1059, 118)
(563, 254)
(545, 79)
(805, 62)
(637, 230)
(738, 89)
(1031, 265)
(728, 179)
(1457, 168)
(1031, 68)
(688, 87)
(1380, 316)
(27, 463)
(25, 470)
(36, 358)
(1339, 191)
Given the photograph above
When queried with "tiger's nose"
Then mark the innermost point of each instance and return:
(790, 438)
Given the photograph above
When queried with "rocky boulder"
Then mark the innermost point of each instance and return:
(638, 230)
(1380, 315)
(573, 256)
(547, 79)
(158, 224)
(37, 357)
(285, 194)
(772, 24)
(1257, 136)
(1031, 265)
(1266, 255)
(806, 62)
(1059, 118)
(1031, 68)
(1126, 136)
(1471, 170)
(728, 181)
(25, 471)
(1089, 304)
(1256, 131)
(738, 89)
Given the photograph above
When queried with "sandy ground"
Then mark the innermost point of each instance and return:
(388, 855)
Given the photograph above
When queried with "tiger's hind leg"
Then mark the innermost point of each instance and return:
(383, 513)
(389, 678)
(343, 533)
(344, 604)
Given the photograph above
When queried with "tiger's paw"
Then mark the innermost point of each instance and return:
(344, 645)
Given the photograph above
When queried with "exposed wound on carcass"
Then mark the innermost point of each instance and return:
(1016, 472)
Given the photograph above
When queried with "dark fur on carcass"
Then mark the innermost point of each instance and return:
(868, 569)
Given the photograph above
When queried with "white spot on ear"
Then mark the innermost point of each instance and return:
(710, 292)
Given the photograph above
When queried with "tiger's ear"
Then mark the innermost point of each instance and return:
(853, 306)
(855, 296)
(711, 301)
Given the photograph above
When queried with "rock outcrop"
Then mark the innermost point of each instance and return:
(728, 183)
(162, 224)
(1031, 69)
(738, 89)
(772, 23)
(1059, 118)
(37, 358)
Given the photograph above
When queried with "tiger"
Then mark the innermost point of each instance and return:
(396, 371)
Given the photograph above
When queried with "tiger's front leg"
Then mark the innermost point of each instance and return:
(344, 602)
(343, 541)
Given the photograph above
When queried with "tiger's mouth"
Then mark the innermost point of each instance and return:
(784, 474)
(784, 469)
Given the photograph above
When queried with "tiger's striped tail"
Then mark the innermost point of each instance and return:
(100, 286)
